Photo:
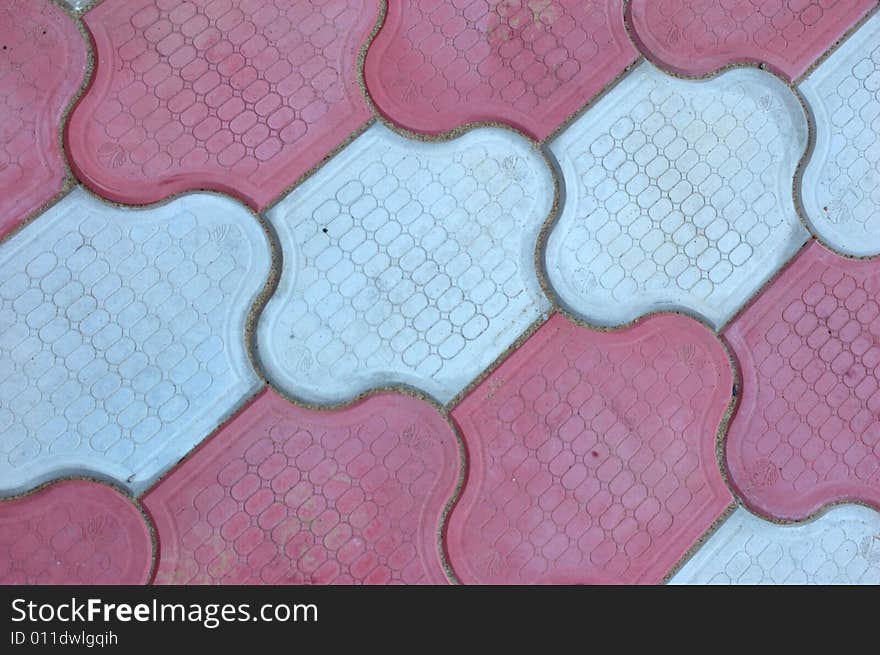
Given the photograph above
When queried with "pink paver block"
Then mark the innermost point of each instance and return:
(695, 37)
(439, 64)
(285, 495)
(42, 64)
(592, 455)
(241, 97)
(74, 532)
(806, 432)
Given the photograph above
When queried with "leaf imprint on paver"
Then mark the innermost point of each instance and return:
(841, 185)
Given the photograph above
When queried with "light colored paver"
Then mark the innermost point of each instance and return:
(122, 335)
(591, 455)
(841, 186)
(678, 196)
(240, 97)
(42, 64)
(840, 547)
(806, 432)
(406, 262)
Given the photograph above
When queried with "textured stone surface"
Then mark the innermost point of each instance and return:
(840, 547)
(284, 495)
(74, 532)
(695, 37)
(122, 335)
(406, 262)
(841, 185)
(592, 455)
(42, 64)
(806, 432)
(241, 97)
(678, 196)
(529, 63)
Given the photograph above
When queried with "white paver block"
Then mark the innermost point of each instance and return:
(841, 184)
(406, 262)
(678, 196)
(122, 335)
(840, 547)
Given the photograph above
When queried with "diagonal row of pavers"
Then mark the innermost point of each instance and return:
(438, 408)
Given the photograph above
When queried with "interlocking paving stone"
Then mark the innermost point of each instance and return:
(406, 262)
(840, 547)
(841, 185)
(679, 196)
(122, 335)
(74, 532)
(696, 37)
(289, 495)
(241, 97)
(443, 63)
(592, 455)
(806, 432)
(42, 64)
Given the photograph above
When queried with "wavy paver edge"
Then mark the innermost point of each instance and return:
(89, 379)
(806, 349)
(206, 106)
(74, 532)
(41, 70)
(662, 212)
(840, 547)
(564, 506)
(283, 494)
(786, 38)
(380, 287)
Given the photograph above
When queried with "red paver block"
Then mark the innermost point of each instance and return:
(74, 532)
(592, 455)
(439, 64)
(242, 97)
(806, 432)
(285, 495)
(42, 64)
(696, 37)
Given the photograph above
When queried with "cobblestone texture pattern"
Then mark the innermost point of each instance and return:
(592, 456)
(440, 64)
(42, 64)
(74, 532)
(284, 495)
(696, 37)
(806, 433)
(841, 184)
(406, 263)
(478, 291)
(122, 336)
(240, 97)
(678, 196)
